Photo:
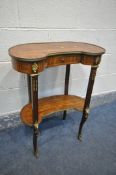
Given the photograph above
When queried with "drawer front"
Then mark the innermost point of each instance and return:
(62, 60)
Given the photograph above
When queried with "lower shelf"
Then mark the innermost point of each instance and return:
(52, 104)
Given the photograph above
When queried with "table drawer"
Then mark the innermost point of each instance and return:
(62, 60)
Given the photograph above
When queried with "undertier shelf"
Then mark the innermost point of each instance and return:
(52, 104)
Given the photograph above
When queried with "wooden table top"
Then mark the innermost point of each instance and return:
(39, 51)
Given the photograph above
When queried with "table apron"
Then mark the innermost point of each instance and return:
(34, 67)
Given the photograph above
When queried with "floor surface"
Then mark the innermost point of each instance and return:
(60, 151)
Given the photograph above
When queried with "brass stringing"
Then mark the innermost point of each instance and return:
(94, 71)
(93, 75)
(34, 85)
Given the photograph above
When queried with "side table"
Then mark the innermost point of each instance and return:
(33, 58)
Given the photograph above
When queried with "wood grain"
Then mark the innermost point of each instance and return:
(39, 51)
(26, 66)
(52, 104)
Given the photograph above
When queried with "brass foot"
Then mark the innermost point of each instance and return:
(79, 137)
(36, 154)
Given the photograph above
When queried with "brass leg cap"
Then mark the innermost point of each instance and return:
(36, 154)
(79, 137)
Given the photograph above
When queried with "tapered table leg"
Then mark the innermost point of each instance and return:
(87, 99)
(29, 86)
(34, 92)
(66, 86)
